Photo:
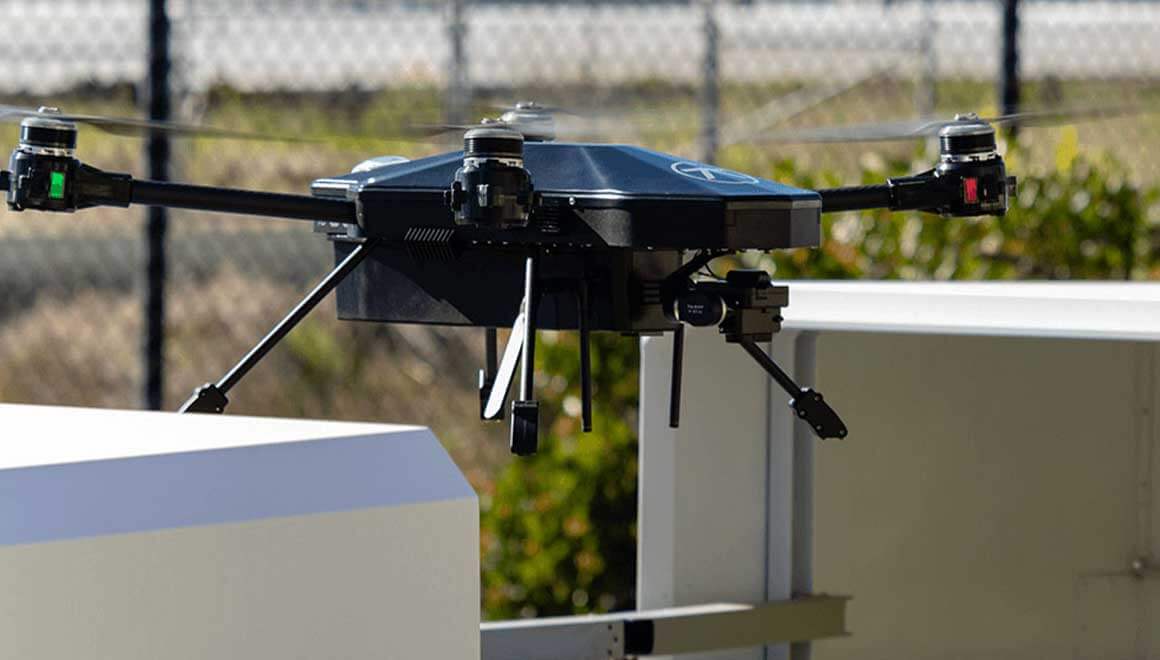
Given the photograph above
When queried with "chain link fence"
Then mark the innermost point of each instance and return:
(700, 79)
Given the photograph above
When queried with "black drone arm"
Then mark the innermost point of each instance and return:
(68, 185)
(968, 188)
(930, 191)
(248, 202)
(856, 198)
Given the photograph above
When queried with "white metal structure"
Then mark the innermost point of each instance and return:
(137, 535)
(997, 496)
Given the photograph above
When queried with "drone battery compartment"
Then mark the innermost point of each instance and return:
(484, 287)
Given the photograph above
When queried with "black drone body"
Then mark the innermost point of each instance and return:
(614, 218)
(519, 231)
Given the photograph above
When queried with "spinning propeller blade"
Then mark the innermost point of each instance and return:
(930, 127)
(529, 130)
(531, 106)
(535, 121)
(137, 127)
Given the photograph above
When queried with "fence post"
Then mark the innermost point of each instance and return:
(710, 85)
(157, 157)
(458, 94)
(1009, 65)
(926, 96)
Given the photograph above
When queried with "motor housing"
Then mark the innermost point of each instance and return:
(43, 165)
(492, 188)
(972, 169)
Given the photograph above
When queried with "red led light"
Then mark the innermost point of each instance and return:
(971, 190)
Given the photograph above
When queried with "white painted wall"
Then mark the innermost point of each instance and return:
(991, 497)
(139, 536)
(710, 488)
(999, 484)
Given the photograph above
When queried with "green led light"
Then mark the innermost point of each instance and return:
(56, 185)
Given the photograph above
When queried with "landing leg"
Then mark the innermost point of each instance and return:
(501, 385)
(526, 411)
(809, 405)
(211, 397)
(487, 375)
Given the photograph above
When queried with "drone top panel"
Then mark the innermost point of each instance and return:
(594, 195)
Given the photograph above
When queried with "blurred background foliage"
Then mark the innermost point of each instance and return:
(558, 532)
(1081, 218)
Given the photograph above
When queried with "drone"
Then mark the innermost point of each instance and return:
(519, 230)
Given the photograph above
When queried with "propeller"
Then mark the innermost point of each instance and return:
(536, 121)
(134, 127)
(531, 107)
(930, 127)
(528, 117)
(533, 130)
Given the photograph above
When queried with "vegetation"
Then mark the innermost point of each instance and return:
(1081, 219)
(558, 533)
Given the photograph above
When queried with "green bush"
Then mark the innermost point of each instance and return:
(558, 529)
(1084, 219)
(558, 533)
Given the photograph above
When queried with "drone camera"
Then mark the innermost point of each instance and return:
(746, 307)
(743, 305)
(754, 305)
(700, 308)
(492, 188)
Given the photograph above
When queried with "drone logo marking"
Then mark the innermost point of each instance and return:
(710, 173)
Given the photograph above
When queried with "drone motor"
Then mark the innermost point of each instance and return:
(492, 188)
(43, 163)
(969, 180)
(969, 160)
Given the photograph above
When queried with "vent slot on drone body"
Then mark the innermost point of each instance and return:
(549, 219)
(430, 243)
(650, 292)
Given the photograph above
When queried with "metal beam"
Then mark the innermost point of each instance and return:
(598, 637)
(669, 631)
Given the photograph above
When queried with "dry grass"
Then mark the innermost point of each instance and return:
(85, 351)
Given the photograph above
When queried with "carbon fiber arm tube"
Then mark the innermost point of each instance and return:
(248, 202)
(854, 198)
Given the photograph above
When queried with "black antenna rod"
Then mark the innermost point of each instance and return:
(585, 361)
(675, 377)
